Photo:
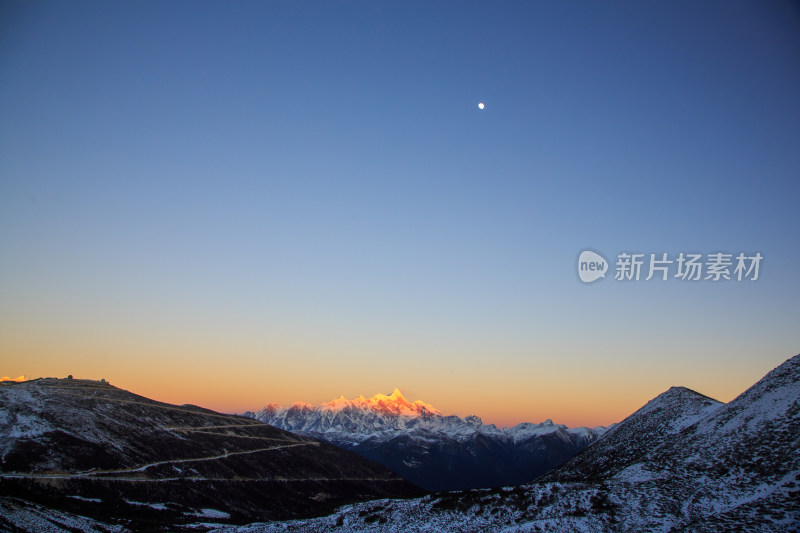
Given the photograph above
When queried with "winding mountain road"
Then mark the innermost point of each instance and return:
(142, 468)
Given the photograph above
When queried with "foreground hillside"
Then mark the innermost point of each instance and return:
(76, 447)
(683, 462)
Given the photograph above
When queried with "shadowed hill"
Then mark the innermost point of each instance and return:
(90, 448)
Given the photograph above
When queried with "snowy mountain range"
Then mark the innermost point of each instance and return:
(683, 462)
(435, 451)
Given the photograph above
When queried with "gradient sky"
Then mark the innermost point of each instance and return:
(235, 203)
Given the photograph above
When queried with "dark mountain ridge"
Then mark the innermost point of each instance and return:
(87, 447)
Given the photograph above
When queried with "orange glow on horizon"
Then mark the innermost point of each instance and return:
(598, 392)
(501, 414)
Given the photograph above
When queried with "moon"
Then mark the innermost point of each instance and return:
(480, 105)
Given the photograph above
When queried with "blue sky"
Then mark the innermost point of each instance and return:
(303, 198)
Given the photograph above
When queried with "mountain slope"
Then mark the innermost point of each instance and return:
(681, 463)
(648, 428)
(90, 448)
(742, 460)
(434, 451)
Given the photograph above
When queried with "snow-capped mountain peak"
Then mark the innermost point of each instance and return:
(396, 394)
(394, 404)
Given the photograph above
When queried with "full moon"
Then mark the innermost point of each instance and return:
(480, 105)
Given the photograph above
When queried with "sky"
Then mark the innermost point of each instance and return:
(230, 204)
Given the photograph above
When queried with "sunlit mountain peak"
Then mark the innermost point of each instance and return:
(394, 403)
(397, 395)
